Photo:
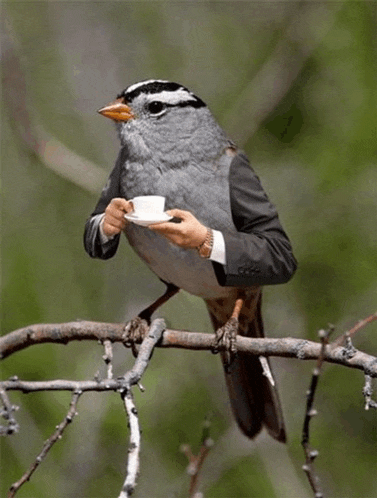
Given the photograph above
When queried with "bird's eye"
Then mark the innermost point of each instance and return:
(156, 107)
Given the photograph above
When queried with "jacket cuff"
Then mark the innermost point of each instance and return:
(253, 260)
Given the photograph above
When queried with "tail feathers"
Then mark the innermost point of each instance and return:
(255, 402)
(245, 395)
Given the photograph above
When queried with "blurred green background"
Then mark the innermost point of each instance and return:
(294, 84)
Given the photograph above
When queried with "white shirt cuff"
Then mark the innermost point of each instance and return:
(103, 237)
(218, 249)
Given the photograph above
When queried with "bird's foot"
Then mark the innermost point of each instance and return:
(134, 332)
(226, 337)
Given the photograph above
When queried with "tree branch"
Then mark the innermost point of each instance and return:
(131, 378)
(133, 463)
(311, 454)
(367, 393)
(196, 461)
(108, 358)
(84, 330)
(350, 333)
(108, 333)
(122, 384)
(48, 445)
(7, 414)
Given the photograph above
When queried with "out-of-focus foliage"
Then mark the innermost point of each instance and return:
(294, 83)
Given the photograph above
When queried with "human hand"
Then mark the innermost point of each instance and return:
(114, 221)
(189, 233)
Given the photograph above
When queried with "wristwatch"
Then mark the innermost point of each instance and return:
(205, 248)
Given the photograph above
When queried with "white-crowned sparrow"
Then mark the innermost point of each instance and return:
(172, 146)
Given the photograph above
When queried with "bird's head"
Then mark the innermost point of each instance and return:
(160, 116)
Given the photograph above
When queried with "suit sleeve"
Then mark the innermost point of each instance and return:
(260, 252)
(92, 241)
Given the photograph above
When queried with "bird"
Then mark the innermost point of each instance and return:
(225, 241)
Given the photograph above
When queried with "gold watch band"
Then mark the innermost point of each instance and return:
(205, 248)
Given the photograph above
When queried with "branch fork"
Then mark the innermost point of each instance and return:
(341, 352)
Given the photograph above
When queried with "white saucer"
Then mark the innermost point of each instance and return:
(148, 219)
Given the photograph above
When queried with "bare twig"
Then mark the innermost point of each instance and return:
(108, 358)
(157, 336)
(311, 454)
(349, 349)
(133, 463)
(131, 378)
(7, 414)
(196, 461)
(350, 333)
(62, 385)
(83, 330)
(122, 384)
(367, 392)
(48, 444)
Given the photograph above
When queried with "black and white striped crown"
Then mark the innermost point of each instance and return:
(168, 92)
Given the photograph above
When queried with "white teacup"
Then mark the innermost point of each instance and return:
(148, 204)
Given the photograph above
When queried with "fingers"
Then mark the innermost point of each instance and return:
(170, 231)
(180, 213)
(112, 226)
(189, 233)
(114, 221)
(170, 227)
(118, 203)
(166, 227)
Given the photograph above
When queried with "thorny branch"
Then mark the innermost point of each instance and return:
(48, 444)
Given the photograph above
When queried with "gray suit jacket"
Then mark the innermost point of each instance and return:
(258, 254)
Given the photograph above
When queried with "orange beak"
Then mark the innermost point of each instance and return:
(118, 111)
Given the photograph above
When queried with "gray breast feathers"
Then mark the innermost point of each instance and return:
(204, 191)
